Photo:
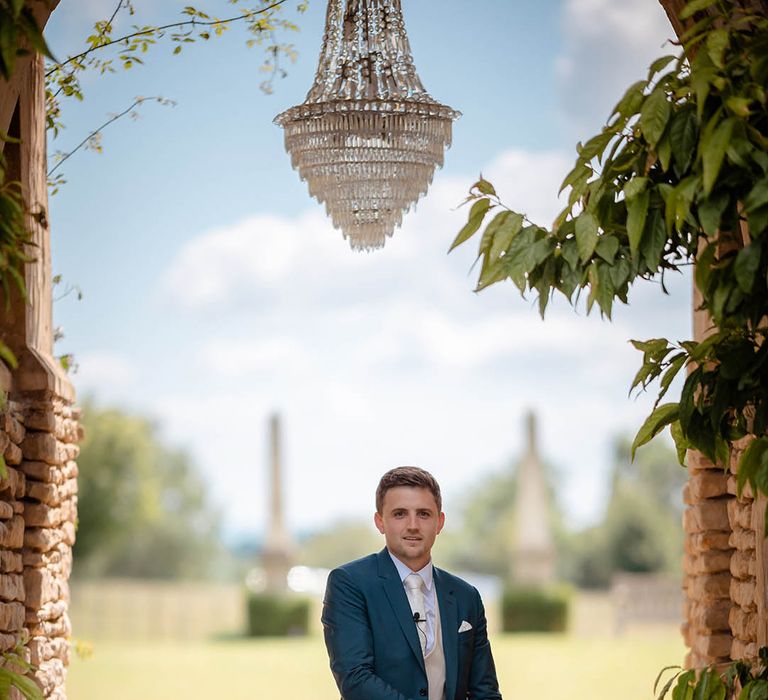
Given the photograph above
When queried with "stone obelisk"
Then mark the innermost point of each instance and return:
(533, 550)
(277, 555)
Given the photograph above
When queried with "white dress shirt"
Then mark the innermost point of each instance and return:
(430, 598)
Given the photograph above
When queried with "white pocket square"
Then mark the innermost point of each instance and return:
(464, 627)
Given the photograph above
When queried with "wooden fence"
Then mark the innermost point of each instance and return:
(173, 611)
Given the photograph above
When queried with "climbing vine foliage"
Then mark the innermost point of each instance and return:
(679, 174)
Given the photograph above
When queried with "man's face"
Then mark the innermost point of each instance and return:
(410, 522)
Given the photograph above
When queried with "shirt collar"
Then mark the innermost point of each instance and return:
(426, 573)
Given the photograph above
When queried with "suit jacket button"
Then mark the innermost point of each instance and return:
(422, 692)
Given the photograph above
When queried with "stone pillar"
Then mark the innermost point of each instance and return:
(706, 564)
(277, 556)
(533, 550)
(38, 422)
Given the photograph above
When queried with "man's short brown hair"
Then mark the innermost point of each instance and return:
(408, 476)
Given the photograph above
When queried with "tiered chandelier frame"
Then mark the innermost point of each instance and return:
(368, 137)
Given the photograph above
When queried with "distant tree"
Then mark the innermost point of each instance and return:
(339, 543)
(143, 510)
(640, 531)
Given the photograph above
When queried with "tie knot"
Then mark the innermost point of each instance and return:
(413, 582)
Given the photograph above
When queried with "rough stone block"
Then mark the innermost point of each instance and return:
(707, 515)
(42, 587)
(11, 587)
(746, 651)
(733, 489)
(48, 612)
(13, 428)
(40, 471)
(688, 499)
(11, 617)
(697, 461)
(713, 647)
(7, 642)
(12, 533)
(6, 510)
(710, 587)
(10, 562)
(69, 471)
(42, 649)
(41, 419)
(743, 565)
(711, 617)
(41, 447)
(12, 454)
(740, 513)
(743, 625)
(705, 541)
(43, 492)
(56, 628)
(41, 515)
(708, 484)
(743, 594)
(711, 562)
(13, 483)
(43, 539)
(68, 533)
(743, 540)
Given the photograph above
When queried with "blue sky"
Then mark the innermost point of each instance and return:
(216, 292)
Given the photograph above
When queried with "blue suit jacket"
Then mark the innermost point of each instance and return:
(373, 644)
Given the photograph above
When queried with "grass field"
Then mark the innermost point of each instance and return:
(576, 666)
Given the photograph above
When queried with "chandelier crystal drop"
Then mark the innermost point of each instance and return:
(368, 137)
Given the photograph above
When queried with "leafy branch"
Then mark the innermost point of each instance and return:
(93, 141)
(678, 175)
(262, 20)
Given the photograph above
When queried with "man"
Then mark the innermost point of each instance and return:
(398, 628)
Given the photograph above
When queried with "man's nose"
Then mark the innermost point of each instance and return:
(413, 522)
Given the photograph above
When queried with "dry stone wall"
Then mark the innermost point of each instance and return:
(723, 558)
(706, 565)
(38, 503)
(745, 529)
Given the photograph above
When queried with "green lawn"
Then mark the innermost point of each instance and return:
(550, 667)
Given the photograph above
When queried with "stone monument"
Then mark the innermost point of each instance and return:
(278, 553)
(533, 550)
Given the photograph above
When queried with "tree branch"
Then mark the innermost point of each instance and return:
(175, 25)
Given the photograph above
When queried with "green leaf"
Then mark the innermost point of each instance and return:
(684, 690)
(507, 230)
(654, 115)
(717, 43)
(754, 460)
(683, 134)
(607, 247)
(713, 146)
(586, 235)
(476, 215)
(637, 212)
(746, 266)
(695, 6)
(659, 65)
(654, 240)
(3, 468)
(711, 212)
(758, 196)
(632, 100)
(484, 186)
(6, 354)
(681, 443)
(662, 416)
(490, 231)
(637, 185)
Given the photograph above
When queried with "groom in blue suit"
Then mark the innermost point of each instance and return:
(398, 628)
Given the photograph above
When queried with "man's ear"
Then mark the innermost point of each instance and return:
(440, 522)
(379, 522)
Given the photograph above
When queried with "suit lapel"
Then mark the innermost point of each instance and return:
(395, 592)
(449, 621)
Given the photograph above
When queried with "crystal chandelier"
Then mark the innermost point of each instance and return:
(368, 137)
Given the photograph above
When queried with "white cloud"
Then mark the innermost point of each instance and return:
(106, 372)
(606, 43)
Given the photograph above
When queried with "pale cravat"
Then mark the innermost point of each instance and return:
(415, 592)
